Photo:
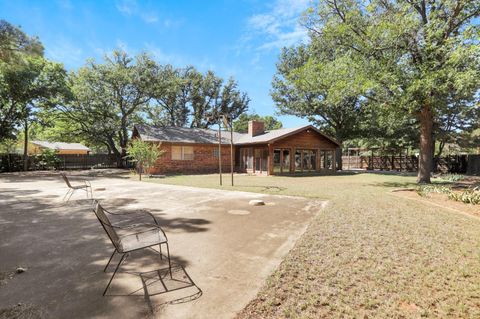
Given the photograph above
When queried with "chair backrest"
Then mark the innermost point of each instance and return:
(65, 178)
(100, 212)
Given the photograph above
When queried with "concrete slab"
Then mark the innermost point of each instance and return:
(226, 246)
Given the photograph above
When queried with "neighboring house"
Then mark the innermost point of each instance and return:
(283, 151)
(36, 147)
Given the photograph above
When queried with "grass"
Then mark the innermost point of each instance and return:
(368, 254)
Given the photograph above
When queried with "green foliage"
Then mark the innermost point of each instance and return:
(413, 58)
(210, 95)
(424, 190)
(107, 99)
(14, 43)
(452, 177)
(144, 154)
(184, 96)
(26, 78)
(8, 146)
(48, 159)
(469, 196)
(270, 122)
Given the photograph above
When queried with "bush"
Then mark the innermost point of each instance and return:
(469, 196)
(424, 190)
(144, 154)
(452, 177)
(48, 159)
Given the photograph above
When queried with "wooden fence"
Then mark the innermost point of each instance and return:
(461, 164)
(14, 162)
(473, 165)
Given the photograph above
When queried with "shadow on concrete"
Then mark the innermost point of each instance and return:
(73, 175)
(63, 249)
(159, 288)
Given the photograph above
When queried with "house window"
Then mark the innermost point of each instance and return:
(182, 153)
(326, 159)
(215, 152)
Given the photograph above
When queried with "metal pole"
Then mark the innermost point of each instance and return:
(220, 149)
(231, 149)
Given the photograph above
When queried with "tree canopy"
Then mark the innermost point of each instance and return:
(412, 58)
(270, 122)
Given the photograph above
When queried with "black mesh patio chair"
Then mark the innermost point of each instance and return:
(87, 187)
(140, 235)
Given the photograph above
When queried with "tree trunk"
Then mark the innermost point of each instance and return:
(338, 151)
(338, 156)
(425, 159)
(25, 146)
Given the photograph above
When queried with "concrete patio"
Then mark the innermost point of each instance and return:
(227, 247)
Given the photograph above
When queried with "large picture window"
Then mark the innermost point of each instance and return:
(305, 160)
(182, 153)
(326, 159)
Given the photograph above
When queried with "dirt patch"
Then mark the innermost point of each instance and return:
(22, 311)
(440, 200)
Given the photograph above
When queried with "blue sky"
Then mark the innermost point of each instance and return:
(233, 38)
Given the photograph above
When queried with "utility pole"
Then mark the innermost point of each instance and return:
(228, 122)
(220, 149)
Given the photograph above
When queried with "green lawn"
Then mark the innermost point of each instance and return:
(368, 254)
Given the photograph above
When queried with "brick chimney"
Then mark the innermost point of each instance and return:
(255, 128)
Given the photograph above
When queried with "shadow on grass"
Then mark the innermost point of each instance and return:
(395, 184)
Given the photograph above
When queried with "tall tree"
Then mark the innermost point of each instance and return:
(14, 43)
(171, 96)
(407, 54)
(45, 88)
(309, 84)
(108, 98)
(20, 64)
(210, 95)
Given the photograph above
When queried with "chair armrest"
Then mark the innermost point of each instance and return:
(149, 228)
(133, 226)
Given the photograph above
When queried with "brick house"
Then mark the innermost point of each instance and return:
(284, 151)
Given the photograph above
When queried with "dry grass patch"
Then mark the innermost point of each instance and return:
(369, 254)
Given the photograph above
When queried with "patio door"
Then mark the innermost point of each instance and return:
(261, 160)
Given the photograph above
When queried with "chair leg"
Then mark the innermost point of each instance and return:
(66, 194)
(160, 250)
(116, 269)
(113, 254)
(169, 262)
(71, 193)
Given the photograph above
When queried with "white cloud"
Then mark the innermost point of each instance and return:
(278, 27)
(127, 7)
(65, 51)
(132, 8)
(150, 17)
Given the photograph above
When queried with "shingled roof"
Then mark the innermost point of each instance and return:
(208, 136)
(61, 145)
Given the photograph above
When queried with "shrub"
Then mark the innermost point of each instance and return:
(144, 154)
(469, 196)
(424, 190)
(452, 177)
(48, 159)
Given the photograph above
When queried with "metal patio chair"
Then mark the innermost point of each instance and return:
(87, 187)
(140, 236)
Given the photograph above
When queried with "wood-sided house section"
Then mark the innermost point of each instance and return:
(284, 151)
